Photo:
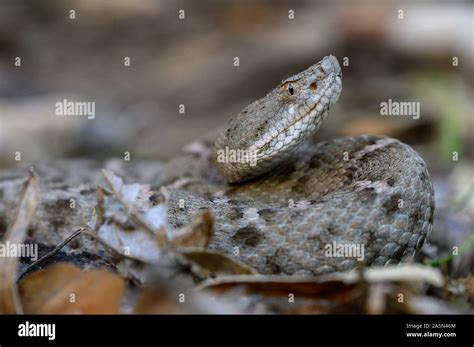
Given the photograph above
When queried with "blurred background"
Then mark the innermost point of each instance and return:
(399, 50)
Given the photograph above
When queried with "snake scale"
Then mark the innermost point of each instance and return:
(280, 210)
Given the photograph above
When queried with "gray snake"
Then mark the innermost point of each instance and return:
(280, 201)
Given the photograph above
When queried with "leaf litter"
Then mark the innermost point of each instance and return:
(161, 270)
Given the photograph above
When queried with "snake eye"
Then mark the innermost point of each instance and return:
(291, 90)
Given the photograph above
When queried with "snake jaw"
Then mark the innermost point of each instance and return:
(271, 129)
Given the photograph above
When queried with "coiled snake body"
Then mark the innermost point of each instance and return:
(295, 200)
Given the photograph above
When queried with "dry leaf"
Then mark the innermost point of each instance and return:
(378, 292)
(197, 234)
(139, 240)
(135, 244)
(398, 273)
(275, 285)
(291, 295)
(15, 235)
(64, 289)
(211, 263)
(154, 219)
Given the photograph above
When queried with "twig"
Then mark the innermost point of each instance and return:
(50, 254)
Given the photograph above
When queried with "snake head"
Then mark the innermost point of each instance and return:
(268, 131)
(323, 79)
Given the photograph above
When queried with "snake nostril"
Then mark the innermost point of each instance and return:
(313, 86)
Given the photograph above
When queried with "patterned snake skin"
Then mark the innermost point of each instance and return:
(289, 201)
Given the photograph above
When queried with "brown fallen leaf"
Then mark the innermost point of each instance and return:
(197, 234)
(398, 273)
(65, 289)
(211, 263)
(273, 285)
(15, 235)
(378, 291)
(290, 295)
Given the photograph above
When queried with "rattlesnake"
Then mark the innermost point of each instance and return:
(282, 208)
